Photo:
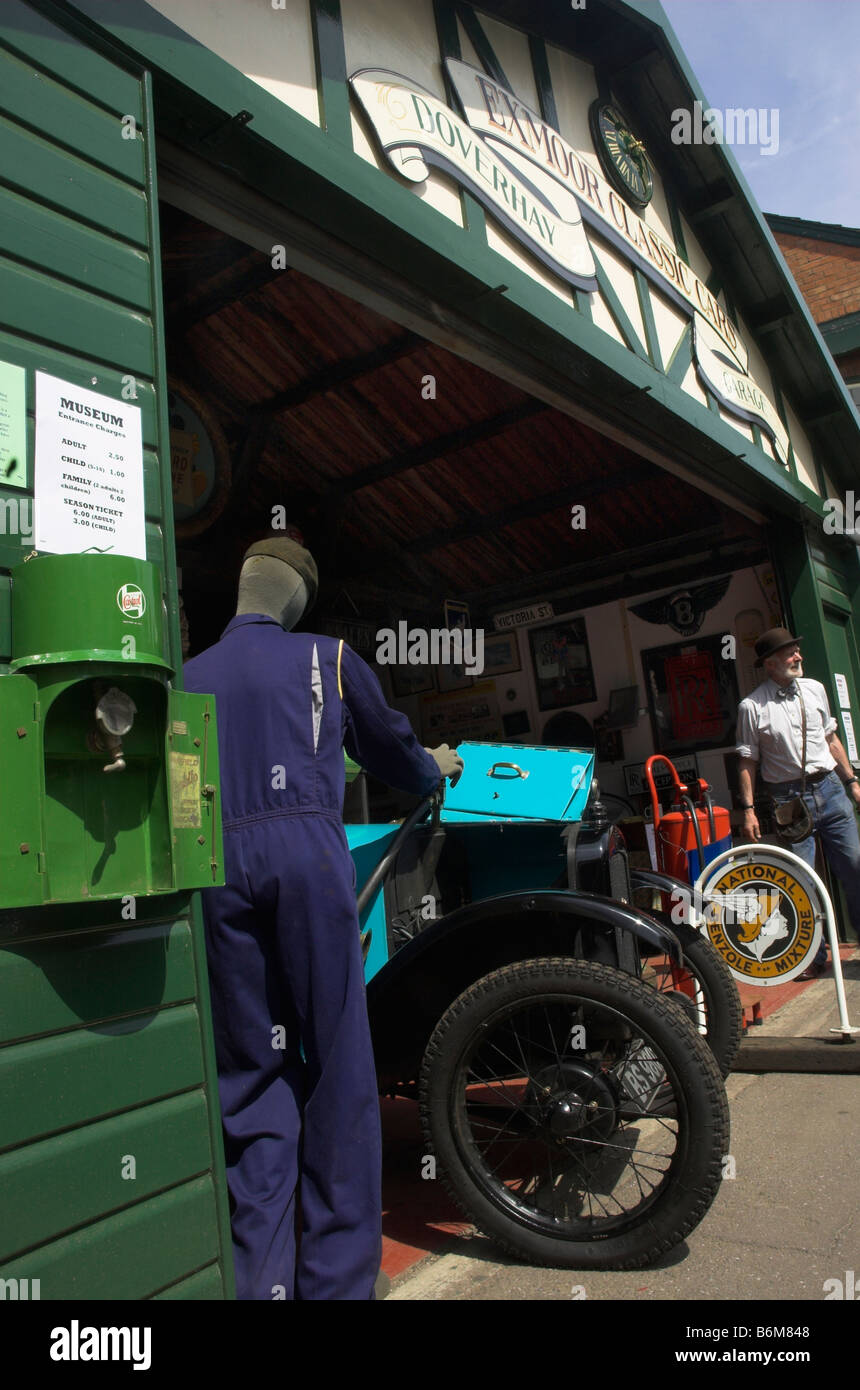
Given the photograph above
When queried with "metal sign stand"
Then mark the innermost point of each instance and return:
(749, 854)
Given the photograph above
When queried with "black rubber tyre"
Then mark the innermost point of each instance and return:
(722, 1024)
(579, 1045)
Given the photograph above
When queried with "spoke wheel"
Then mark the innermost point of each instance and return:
(705, 988)
(578, 1118)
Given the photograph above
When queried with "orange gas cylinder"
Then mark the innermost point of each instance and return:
(675, 834)
(676, 838)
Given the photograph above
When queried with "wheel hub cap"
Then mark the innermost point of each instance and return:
(573, 1102)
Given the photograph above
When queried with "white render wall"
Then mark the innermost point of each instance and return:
(273, 47)
(613, 668)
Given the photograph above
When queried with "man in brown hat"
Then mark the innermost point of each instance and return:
(770, 732)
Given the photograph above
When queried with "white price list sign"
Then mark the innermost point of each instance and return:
(850, 740)
(89, 472)
(842, 691)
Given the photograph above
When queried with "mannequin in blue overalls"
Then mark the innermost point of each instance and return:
(295, 1065)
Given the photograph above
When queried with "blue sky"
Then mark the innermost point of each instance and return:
(801, 58)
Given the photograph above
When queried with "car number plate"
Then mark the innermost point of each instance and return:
(642, 1076)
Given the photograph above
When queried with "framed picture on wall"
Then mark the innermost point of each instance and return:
(410, 680)
(562, 664)
(450, 678)
(692, 695)
(501, 654)
(458, 715)
(609, 745)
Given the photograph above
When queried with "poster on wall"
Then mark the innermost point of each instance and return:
(457, 716)
(89, 472)
(686, 767)
(361, 636)
(850, 740)
(842, 691)
(562, 664)
(13, 425)
(692, 695)
(749, 625)
(410, 680)
(767, 583)
(199, 460)
(609, 744)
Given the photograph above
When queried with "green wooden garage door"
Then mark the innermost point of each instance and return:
(821, 576)
(111, 1181)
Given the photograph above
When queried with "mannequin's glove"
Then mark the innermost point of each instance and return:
(448, 761)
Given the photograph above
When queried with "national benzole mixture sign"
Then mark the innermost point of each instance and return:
(763, 915)
(541, 189)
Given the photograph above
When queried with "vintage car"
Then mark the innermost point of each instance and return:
(555, 1035)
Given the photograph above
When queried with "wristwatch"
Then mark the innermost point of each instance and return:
(744, 806)
(850, 780)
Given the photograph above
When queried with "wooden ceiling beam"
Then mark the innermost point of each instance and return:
(522, 590)
(440, 446)
(188, 313)
(574, 492)
(397, 560)
(632, 580)
(341, 374)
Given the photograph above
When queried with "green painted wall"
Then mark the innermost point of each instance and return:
(821, 581)
(111, 1171)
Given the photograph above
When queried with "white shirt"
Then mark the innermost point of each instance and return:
(770, 731)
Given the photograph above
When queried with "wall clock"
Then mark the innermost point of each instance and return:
(621, 155)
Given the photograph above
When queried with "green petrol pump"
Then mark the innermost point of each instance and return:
(108, 776)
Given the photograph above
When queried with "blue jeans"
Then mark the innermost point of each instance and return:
(836, 825)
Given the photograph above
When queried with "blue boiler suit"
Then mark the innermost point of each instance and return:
(295, 1065)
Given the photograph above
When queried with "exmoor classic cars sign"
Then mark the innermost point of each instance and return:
(543, 191)
(415, 130)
